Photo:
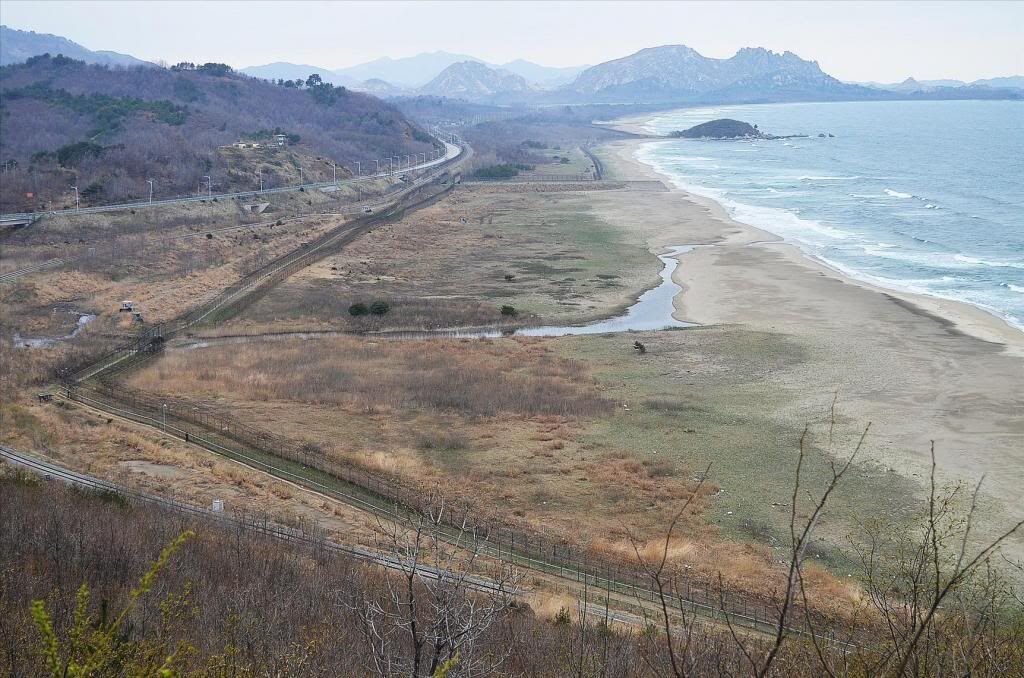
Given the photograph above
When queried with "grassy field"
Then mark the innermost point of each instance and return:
(575, 162)
(578, 437)
(550, 255)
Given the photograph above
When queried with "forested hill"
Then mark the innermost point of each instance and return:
(109, 130)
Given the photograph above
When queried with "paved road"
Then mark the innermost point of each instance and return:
(451, 152)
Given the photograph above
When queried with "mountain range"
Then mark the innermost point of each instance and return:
(655, 75)
(413, 73)
(665, 74)
(679, 73)
(913, 85)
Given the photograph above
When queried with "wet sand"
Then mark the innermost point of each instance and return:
(919, 369)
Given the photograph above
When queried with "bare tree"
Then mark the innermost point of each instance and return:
(443, 599)
(929, 590)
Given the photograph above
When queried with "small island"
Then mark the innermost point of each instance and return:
(726, 128)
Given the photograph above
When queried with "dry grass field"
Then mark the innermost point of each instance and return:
(575, 437)
(548, 253)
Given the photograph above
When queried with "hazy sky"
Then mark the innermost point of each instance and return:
(884, 41)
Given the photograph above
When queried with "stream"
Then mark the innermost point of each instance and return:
(46, 342)
(651, 311)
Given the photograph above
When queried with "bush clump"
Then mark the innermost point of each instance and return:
(376, 308)
(509, 310)
(505, 171)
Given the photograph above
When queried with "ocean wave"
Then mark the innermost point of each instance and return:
(1019, 289)
(897, 194)
(825, 178)
(933, 259)
(995, 263)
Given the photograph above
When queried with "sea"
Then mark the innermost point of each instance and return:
(917, 196)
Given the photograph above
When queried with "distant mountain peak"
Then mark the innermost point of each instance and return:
(473, 80)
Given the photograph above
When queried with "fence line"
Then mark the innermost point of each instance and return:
(392, 499)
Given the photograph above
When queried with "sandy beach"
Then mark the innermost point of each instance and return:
(918, 368)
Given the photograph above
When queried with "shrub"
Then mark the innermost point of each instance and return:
(508, 310)
(562, 617)
(496, 172)
(379, 307)
(445, 441)
(358, 309)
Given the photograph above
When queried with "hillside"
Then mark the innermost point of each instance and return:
(65, 123)
(18, 46)
(474, 81)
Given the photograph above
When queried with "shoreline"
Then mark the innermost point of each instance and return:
(923, 371)
(972, 320)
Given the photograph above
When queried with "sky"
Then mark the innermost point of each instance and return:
(858, 41)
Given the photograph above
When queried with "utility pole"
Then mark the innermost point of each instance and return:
(165, 416)
(334, 166)
(209, 186)
(359, 171)
(150, 191)
(377, 171)
(392, 161)
(259, 172)
(76, 198)
(300, 176)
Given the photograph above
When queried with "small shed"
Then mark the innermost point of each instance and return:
(126, 306)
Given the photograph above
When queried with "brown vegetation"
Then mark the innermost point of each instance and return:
(230, 600)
